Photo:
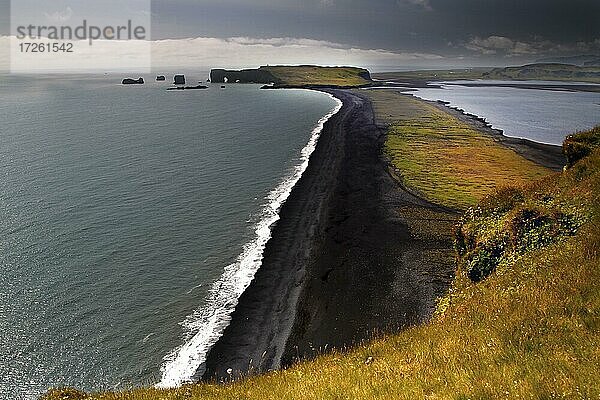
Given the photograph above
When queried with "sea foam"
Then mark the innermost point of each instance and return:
(205, 325)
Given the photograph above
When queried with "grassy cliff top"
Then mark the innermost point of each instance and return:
(297, 76)
(312, 75)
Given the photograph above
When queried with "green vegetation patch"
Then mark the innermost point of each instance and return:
(323, 76)
(515, 221)
(444, 159)
(581, 145)
(296, 76)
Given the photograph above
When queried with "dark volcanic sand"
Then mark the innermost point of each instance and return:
(353, 254)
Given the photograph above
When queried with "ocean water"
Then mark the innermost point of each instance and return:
(131, 218)
(545, 116)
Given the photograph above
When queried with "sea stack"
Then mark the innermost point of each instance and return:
(161, 78)
(179, 80)
(129, 81)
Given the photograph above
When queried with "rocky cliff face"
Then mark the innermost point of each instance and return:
(366, 75)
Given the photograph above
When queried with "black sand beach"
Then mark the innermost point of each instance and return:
(354, 254)
(351, 256)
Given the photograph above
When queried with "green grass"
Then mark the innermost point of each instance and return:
(518, 220)
(296, 76)
(444, 159)
(313, 75)
(580, 145)
(530, 330)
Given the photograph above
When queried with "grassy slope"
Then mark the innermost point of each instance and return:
(530, 330)
(547, 72)
(427, 145)
(518, 220)
(312, 75)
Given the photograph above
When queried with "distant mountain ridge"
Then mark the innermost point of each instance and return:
(547, 71)
(588, 60)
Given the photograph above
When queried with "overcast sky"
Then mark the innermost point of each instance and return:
(410, 32)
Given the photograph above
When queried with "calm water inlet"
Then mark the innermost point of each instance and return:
(545, 116)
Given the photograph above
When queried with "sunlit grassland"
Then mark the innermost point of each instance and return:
(313, 75)
(444, 159)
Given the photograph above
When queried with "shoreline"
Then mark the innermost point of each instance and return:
(255, 338)
(347, 231)
(340, 237)
(186, 362)
(547, 155)
(544, 154)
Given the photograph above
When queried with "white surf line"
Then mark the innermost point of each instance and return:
(206, 325)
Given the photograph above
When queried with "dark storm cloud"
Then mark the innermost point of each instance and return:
(484, 30)
(403, 25)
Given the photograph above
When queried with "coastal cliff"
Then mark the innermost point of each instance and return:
(298, 76)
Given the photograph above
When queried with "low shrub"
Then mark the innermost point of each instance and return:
(483, 260)
(581, 145)
(517, 220)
